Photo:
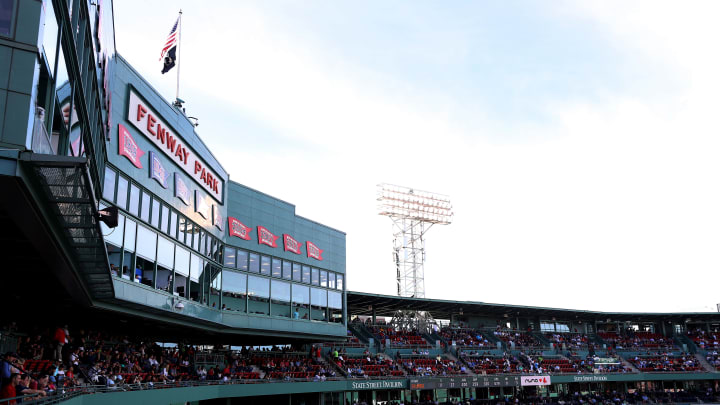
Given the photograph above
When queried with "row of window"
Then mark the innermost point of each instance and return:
(272, 266)
(138, 253)
(128, 196)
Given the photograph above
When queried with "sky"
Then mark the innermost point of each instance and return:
(577, 141)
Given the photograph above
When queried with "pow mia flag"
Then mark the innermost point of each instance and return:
(168, 53)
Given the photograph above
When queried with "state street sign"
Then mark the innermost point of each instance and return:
(149, 123)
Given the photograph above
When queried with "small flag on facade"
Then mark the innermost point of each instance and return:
(168, 54)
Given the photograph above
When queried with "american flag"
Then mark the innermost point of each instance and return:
(171, 40)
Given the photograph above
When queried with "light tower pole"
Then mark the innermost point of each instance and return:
(413, 212)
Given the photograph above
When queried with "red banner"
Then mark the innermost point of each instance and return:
(291, 245)
(128, 147)
(314, 251)
(266, 237)
(237, 228)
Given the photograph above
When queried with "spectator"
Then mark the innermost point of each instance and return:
(7, 366)
(8, 388)
(23, 388)
(60, 338)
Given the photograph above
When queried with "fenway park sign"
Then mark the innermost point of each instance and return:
(149, 123)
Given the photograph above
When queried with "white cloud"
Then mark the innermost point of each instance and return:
(615, 210)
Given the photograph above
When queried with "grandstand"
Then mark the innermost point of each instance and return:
(136, 271)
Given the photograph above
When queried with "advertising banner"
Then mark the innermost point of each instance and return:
(534, 380)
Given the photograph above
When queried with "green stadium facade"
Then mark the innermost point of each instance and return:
(196, 257)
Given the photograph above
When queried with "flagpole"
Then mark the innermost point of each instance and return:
(177, 85)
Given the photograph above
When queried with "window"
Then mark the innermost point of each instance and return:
(181, 231)
(331, 280)
(145, 207)
(155, 212)
(130, 229)
(306, 274)
(50, 33)
(258, 295)
(229, 257)
(301, 301)
(134, 200)
(109, 182)
(318, 304)
(182, 261)
(265, 265)
(114, 235)
(122, 192)
(173, 224)
(323, 278)
(280, 302)
(165, 220)
(277, 268)
(242, 260)
(335, 306)
(339, 281)
(115, 259)
(146, 243)
(286, 270)
(201, 244)
(6, 17)
(145, 271)
(165, 253)
(196, 267)
(195, 232)
(297, 272)
(315, 276)
(254, 263)
(234, 286)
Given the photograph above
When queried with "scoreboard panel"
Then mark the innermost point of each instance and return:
(464, 382)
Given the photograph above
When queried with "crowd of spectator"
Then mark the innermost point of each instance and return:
(637, 340)
(367, 365)
(485, 363)
(397, 338)
(464, 337)
(517, 339)
(666, 362)
(570, 341)
(432, 366)
(705, 340)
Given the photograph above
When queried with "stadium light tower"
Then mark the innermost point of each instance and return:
(413, 212)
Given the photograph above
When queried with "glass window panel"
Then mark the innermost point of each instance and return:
(254, 263)
(331, 280)
(334, 299)
(306, 274)
(109, 182)
(234, 291)
(145, 271)
(50, 32)
(287, 270)
(258, 295)
(201, 242)
(196, 265)
(265, 265)
(182, 261)
(258, 286)
(315, 276)
(195, 235)
(122, 191)
(318, 304)
(229, 256)
(146, 243)
(114, 235)
(166, 253)
(323, 278)
(128, 264)
(339, 282)
(242, 260)
(130, 230)
(145, 207)
(173, 224)
(115, 259)
(165, 220)
(234, 282)
(180, 283)
(134, 200)
(181, 229)
(276, 267)
(280, 291)
(301, 301)
(297, 272)
(155, 213)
